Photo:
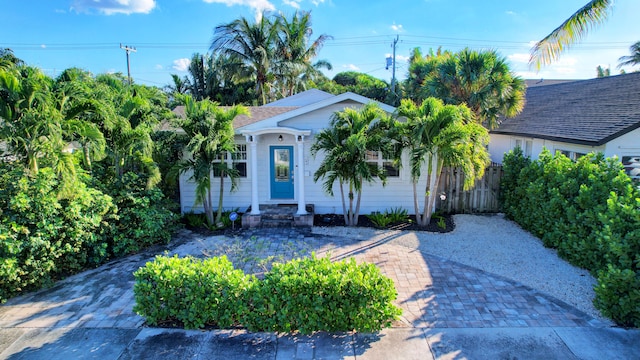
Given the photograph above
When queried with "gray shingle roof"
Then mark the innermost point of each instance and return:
(590, 112)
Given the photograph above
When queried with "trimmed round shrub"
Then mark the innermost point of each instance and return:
(194, 293)
(314, 294)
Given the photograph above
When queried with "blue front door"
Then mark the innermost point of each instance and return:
(281, 172)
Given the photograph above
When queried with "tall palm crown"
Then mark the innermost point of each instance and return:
(570, 31)
(278, 51)
(633, 59)
(251, 42)
(295, 52)
(480, 79)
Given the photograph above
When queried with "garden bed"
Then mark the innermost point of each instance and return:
(439, 223)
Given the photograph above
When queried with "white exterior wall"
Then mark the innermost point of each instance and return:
(625, 145)
(397, 193)
(501, 144)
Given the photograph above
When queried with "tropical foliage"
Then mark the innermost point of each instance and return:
(588, 211)
(344, 146)
(633, 59)
(569, 32)
(438, 135)
(480, 79)
(274, 52)
(210, 130)
(77, 172)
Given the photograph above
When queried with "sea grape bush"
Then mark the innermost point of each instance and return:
(45, 236)
(589, 210)
(304, 295)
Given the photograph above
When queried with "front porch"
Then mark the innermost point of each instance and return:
(278, 215)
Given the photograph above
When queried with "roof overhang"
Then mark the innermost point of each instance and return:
(276, 130)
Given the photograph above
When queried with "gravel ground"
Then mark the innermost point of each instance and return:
(499, 246)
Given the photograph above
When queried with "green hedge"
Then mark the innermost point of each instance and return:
(589, 211)
(44, 237)
(304, 295)
(192, 292)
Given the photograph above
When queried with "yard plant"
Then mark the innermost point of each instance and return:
(302, 295)
(589, 211)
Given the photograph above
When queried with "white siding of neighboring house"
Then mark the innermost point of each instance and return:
(625, 145)
(397, 193)
(501, 144)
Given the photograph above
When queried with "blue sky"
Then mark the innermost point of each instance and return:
(58, 34)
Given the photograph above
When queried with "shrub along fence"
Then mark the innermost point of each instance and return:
(482, 198)
(589, 211)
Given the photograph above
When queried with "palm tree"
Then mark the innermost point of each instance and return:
(29, 122)
(254, 44)
(438, 135)
(211, 135)
(345, 144)
(295, 54)
(570, 31)
(480, 79)
(633, 59)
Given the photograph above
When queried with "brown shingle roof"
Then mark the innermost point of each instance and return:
(257, 113)
(590, 112)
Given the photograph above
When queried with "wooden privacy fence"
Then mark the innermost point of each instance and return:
(483, 197)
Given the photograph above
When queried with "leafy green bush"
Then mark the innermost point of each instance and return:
(618, 295)
(589, 211)
(44, 237)
(303, 295)
(314, 294)
(196, 293)
(144, 215)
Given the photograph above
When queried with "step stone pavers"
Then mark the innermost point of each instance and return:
(433, 292)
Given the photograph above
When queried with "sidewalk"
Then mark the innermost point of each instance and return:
(451, 311)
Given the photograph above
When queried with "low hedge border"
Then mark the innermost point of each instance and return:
(302, 295)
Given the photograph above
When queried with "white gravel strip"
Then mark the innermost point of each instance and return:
(499, 246)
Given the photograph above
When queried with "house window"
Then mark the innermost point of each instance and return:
(237, 160)
(240, 160)
(525, 145)
(573, 155)
(377, 160)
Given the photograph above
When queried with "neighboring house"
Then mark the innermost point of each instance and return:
(576, 118)
(276, 167)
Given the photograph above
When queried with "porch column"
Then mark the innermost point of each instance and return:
(300, 174)
(253, 150)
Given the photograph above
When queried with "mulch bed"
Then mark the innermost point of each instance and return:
(328, 220)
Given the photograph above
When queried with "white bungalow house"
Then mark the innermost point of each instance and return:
(276, 167)
(576, 118)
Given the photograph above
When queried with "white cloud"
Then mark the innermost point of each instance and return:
(110, 7)
(159, 67)
(257, 5)
(351, 67)
(317, 2)
(293, 3)
(181, 64)
(397, 28)
(519, 58)
(512, 13)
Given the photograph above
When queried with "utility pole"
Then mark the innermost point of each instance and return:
(128, 50)
(393, 66)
